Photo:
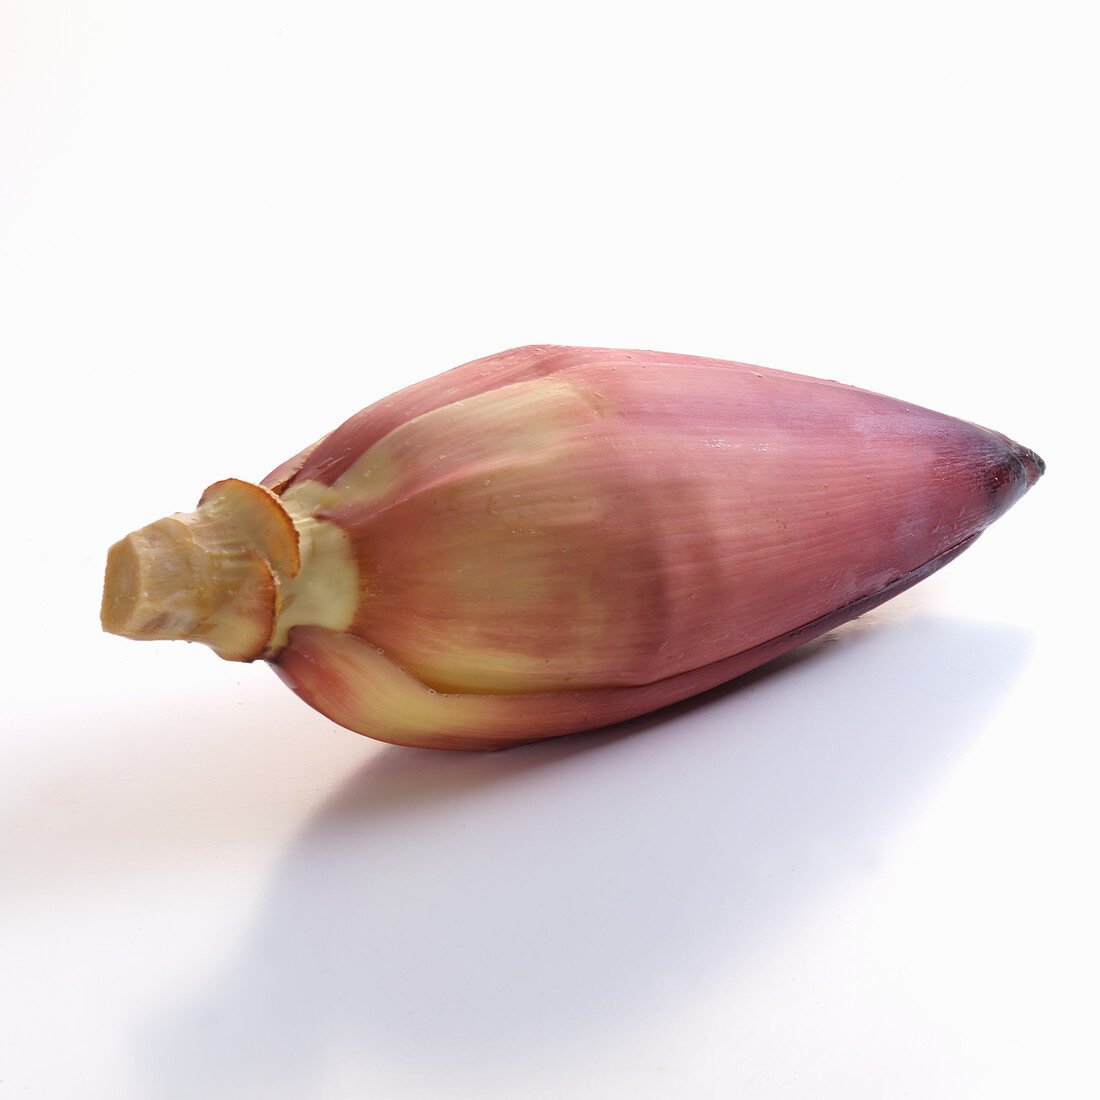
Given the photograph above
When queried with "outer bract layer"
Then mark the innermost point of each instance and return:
(552, 539)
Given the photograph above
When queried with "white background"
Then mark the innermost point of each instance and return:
(867, 872)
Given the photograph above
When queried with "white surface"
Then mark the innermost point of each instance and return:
(867, 872)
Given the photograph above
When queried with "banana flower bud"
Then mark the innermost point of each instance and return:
(553, 539)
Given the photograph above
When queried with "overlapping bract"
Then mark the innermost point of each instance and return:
(553, 539)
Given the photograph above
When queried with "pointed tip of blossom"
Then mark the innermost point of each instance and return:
(1033, 465)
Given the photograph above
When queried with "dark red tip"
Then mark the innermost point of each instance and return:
(1034, 466)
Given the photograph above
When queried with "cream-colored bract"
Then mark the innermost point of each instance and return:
(325, 590)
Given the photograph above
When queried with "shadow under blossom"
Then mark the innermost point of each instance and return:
(458, 921)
